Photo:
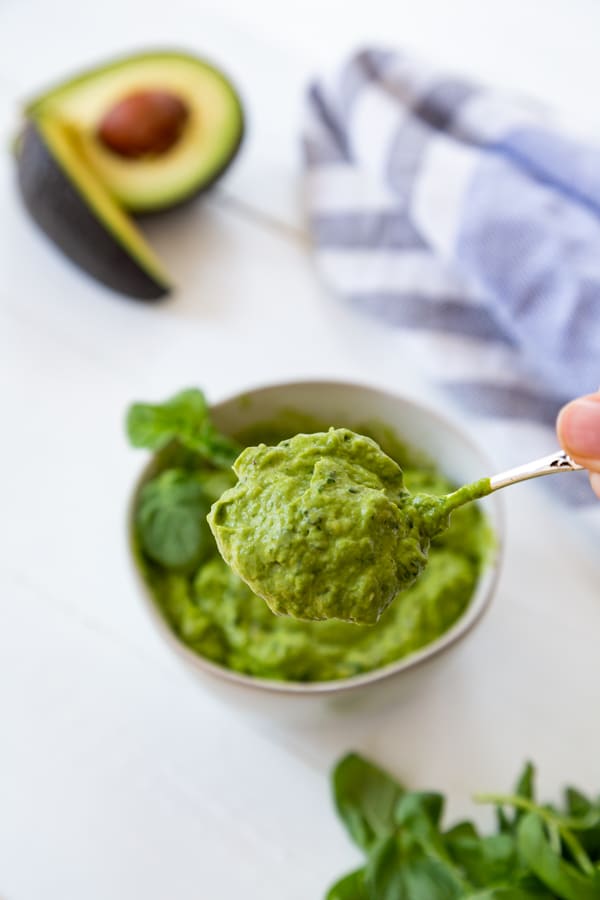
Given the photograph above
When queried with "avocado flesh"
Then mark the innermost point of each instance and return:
(74, 208)
(209, 141)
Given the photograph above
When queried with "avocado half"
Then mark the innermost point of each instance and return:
(74, 208)
(80, 188)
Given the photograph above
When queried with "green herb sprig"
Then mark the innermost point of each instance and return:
(183, 419)
(538, 852)
(193, 468)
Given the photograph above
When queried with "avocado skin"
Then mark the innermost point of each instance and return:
(65, 218)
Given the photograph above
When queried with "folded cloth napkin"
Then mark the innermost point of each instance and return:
(469, 221)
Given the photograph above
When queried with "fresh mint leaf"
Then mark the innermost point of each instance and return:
(584, 815)
(220, 450)
(504, 823)
(526, 784)
(420, 808)
(366, 798)
(153, 425)
(529, 889)
(184, 418)
(524, 791)
(525, 788)
(560, 827)
(577, 803)
(418, 815)
(485, 860)
(402, 870)
(461, 831)
(171, 519)
(559, 876)
(537, 853)
(351, 887)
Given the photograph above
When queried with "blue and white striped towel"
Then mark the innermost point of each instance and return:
(466, 219)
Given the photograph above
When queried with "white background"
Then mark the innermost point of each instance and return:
(119, 776)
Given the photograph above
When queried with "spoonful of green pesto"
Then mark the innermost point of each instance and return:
(321, 525)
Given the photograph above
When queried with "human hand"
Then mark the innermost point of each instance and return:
(578, 429)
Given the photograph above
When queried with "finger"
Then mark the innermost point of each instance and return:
(595, 482)
(578, 429)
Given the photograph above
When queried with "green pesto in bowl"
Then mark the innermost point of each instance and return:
(218, 616)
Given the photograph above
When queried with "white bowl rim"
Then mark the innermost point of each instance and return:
(464, 624)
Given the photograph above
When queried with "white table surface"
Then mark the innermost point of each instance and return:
(120, 777)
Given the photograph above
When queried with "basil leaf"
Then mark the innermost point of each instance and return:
(537, 853)
(184, 418)
(577, 803)
(154, 425)
(584, 818)
(351, 887)
(484, 860)
(420, 807)
(459, 832)
(525, 785)
(527, 890)
(171, 521)
(559, 876)
(503, 822)
(366, 798)
(399, 870)
(218, 448)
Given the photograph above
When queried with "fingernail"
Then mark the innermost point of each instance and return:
(595, 482)
(579, 427)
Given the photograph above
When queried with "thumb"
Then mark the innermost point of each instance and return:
(578, 429)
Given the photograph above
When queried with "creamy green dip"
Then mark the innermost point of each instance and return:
(321, 526)
(218, 616)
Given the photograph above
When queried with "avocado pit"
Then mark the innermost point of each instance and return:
(145, 123)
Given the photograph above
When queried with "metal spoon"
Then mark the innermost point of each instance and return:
(559, 461)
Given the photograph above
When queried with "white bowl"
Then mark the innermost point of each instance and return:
(345, 404)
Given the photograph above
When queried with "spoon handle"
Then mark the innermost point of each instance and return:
(558, 461)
